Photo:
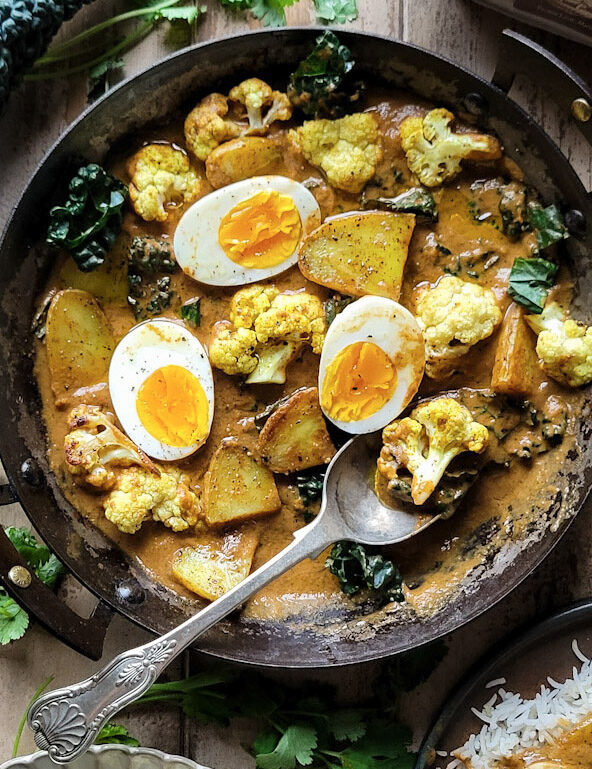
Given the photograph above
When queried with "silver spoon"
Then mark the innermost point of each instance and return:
(66, 721)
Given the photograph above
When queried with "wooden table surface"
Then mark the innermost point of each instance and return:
(36, 116)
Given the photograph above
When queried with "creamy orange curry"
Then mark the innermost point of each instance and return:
(478, 414)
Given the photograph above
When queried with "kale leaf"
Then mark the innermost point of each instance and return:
(310, 484)
(530, 281)
(548, 223)
(318, 86)
(357, 567)
(335, 305)
(415, 200)
(89, 221)
(191, 312)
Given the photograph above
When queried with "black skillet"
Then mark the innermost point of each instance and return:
(328, 637)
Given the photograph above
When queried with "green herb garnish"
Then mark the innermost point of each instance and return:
(336, 304)
(336, 11)
(356, 567)
(150, 264)
(548, 223)
(530, 281)
(310, 485)
(115, 734)
(89, 221)
(191, 312)
(415, 200)
(317, 84)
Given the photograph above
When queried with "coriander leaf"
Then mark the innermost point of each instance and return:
(347, 724)
(237, 5)
(336, 11)
(188, 13)
(114, 734)
(548, 223)
(88, 222)
(318, 85)
(13, 620)
(271, 12)
(295, 747)
(384, 746)
(530, 281)
(50, 571)
(265, 742)
(415, 200)
(98, 76)
(191, 312)
(38, 556)
(357, 567)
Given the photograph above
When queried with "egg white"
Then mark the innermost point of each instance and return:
(391, 327)
(196, 245)
(147, 347)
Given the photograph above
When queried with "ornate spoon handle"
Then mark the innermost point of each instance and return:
(66, 721)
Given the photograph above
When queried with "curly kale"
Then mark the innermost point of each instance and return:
(26, 29)
(88, 222)
(320, 86)
(357, 567)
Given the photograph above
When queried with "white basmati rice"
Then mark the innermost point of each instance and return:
(512, 724)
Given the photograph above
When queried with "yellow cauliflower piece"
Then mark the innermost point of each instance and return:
(139, 494)
(454, 315)
(425, 443)
(250, 302)
(266, 331)
(263, 104)
(250, 108)
(160, 175)
(293, 318)
(564, 346)
(94, 447)
(434, 153)
(233, 350)
(347, 150)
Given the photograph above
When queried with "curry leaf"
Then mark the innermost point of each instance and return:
(530, 281)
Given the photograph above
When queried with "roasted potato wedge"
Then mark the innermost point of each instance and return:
(237, 487)
(515, 367)
(240, 159)
(212, 568)
(359, 253)
(79, 341)
(295, 436)
(108, 283)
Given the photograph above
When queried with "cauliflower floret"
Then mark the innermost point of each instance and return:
(250, 108)
(454, 315)
(233, 350)
(94, 446)
(250, 302)
(263, 105)
(425, 443)
(160, 175)
(347, 150)
(434, 152)
(139, 494)
(564, 346)
(293, 318)
(266, 332)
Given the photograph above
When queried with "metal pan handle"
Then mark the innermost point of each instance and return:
(520, 55)
(85, 636)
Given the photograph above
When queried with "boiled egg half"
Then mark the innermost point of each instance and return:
(371, 365)
(162, 389)
(245, 232)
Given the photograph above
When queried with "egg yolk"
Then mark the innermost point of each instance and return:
(262, 231)
(358, 382)
(173, 407)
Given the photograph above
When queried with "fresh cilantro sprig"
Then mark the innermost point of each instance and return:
(272, 12)
(13, 620)
(115, 734)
